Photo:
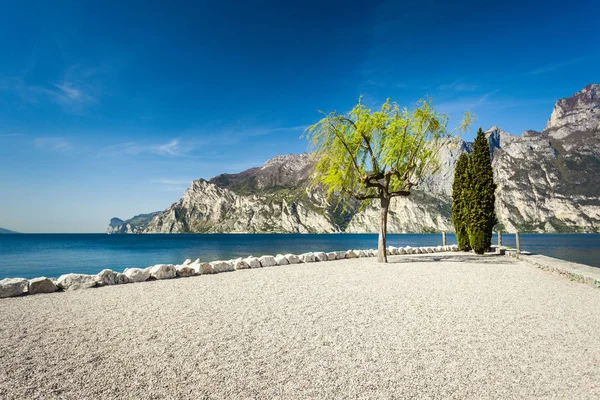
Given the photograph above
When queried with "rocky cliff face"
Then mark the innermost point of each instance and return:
(421, 212)
(543, 187)
(280, 172)
(206, 207)
(136, 224)
(578, 113)
(547, 181)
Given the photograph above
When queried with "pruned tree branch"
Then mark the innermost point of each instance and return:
(341, 139)
(402, 193)
(366, 145)
(360, 196)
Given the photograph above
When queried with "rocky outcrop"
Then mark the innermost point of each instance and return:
(239, 263)
(185, 270)
(419, 212)
(41, 285)
(292, 258)
(280, 172)
(10, 287)
(137, 274)
(221, 266)
(197, 267)
(547, 181)
(579, 113)
(543, 187)
(109, 277)
(136, 224)
(307, 257)
(163, 271)
(253, 262)
(281, 259)
(351, 254)
(206, 207)
(267, 261)
(76, 281)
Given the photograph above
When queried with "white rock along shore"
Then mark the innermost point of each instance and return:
(435, 325)
(12, 287)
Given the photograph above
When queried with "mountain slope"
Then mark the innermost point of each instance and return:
(136, 224)
(547, 181)
(2, 231)
(206, 207)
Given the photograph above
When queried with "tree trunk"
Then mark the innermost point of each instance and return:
(381, 245)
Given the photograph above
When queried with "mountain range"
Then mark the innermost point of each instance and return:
(548, 181)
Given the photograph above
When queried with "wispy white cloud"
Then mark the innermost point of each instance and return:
(127, 148)
(485, 97)
(556, 66)
(71, 93)
(72, 97)
(172, 181)
(384, 85)
(372, 82)
(191, 142)
(515, 103)
(465, 103)
(178, 189)
(52, 143)
(268, 131)
(460, 86)
(172, 148)
(169, 149)
(173, 185)
(75, 91)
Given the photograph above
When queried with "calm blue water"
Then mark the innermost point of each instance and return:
(31, 255)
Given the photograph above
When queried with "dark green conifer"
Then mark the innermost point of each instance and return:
(481, 214)
(459, 194)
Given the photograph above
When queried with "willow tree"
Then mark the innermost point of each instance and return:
(378, 155)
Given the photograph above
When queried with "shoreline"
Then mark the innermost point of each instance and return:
(574, 271)
(15, 287)
(25, 255)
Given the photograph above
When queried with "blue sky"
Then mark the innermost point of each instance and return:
(113, 108)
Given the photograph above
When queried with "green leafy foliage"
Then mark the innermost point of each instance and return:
(383, 153)
(480, 196)
(460, 205)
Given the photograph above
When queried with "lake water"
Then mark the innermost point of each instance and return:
(32, 255)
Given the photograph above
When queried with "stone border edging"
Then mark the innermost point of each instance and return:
(12, 287)
(576, 272)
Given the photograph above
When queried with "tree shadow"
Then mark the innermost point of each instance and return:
(489, 258)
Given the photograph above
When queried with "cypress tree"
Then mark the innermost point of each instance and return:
(481, 214)
(459, 198)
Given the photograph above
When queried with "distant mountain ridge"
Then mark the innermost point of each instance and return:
(2, 231)
(547, 181)
(136, 224)
(280, 172)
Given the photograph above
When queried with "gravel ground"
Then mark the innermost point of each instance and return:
(428, 326)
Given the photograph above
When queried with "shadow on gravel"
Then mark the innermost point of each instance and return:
(456, 258)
